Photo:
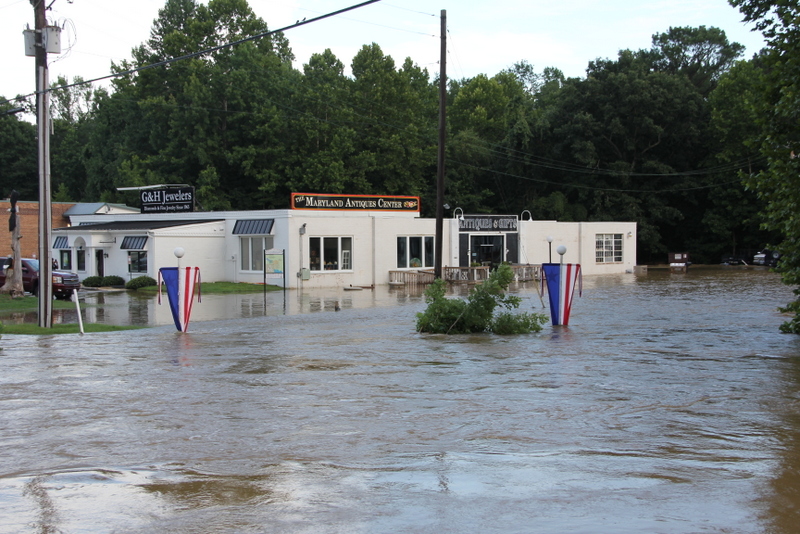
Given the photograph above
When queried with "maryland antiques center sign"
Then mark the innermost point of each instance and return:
(314, 201)
(167, 200)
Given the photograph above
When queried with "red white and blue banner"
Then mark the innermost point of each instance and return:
(181, 282)
(560, 280)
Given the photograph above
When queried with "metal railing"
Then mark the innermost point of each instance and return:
(462, 275)
(410, 277)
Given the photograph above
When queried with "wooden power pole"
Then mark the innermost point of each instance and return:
(437, 262)
(45, 206)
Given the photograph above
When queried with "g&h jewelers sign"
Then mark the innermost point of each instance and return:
(315, 201)
(167, 200)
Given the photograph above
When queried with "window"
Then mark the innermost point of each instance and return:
(252, 252)
(81, 260)
(65, 259)
(330, 253)
(137, 261)
(608, 248)
(415, 252)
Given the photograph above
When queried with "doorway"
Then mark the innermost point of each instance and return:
(487, 249)
(98, 254)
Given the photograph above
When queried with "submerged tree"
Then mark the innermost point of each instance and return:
(779, 102)
(477, 312)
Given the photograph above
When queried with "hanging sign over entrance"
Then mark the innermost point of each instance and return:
(315, 201)
(488, 223)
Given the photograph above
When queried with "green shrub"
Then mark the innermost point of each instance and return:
(476, 313)
(140, 281)
(92, 281)
(792, 326)
(112, 280)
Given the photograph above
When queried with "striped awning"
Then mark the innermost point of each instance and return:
(253, 227)
(61, 242)
(133, 242)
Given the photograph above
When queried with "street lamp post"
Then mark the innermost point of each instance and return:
(561, 251)
(550, 247)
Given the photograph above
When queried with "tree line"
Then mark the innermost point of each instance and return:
(667, 136)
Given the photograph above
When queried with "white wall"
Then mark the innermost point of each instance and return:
(213, 247)
(579, 238)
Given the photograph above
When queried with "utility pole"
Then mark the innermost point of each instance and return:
(45, 206)
(437, 262)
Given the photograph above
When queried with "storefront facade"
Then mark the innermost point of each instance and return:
(330, 241)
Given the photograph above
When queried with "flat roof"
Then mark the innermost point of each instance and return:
(123, 226)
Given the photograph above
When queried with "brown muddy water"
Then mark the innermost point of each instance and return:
(670, 404)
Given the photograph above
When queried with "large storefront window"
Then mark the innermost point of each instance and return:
(252, 252)
(330, 253)
(415, 252)
(608, 248)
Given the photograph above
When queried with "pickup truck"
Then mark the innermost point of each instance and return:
(63, 281)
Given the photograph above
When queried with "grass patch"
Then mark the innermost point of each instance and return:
(30, 303)
(72, 328)
(221, 288)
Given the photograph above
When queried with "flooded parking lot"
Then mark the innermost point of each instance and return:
(670, 404)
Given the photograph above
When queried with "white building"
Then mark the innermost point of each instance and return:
(330, 241)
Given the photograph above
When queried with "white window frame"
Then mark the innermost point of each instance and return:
(80, 257)
(251, 257)
(405, 260)
(139, 255)
(341, 260)
(61, 254)
(608, 248)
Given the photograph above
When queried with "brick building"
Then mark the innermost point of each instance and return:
(61, 213)
(29, 225)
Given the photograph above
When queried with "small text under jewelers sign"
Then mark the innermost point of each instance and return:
(314, 201)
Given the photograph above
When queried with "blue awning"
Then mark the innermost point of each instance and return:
(61, 242)
(253, 227)
(133, 242)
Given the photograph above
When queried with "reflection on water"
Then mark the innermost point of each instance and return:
(670, 404)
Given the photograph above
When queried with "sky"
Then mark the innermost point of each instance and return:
(483, 36)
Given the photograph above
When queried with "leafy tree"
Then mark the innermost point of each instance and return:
(492, 120)
(323, 135)
(209, 120)
(630, 128)
(733, 211)
(71, 103)
(701, 54)
(18, 161)
(395, 115)
(779, 184)
(477, 313)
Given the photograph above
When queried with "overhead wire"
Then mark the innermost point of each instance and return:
(200, 53)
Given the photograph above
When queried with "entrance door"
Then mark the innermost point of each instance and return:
(487, 249)
(98, 254)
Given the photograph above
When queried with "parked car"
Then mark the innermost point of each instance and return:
(63, 281)
(767, 257)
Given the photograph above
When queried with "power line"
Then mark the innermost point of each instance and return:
(591, 187)
(204, 52)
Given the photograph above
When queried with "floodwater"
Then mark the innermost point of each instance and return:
(670, 404)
